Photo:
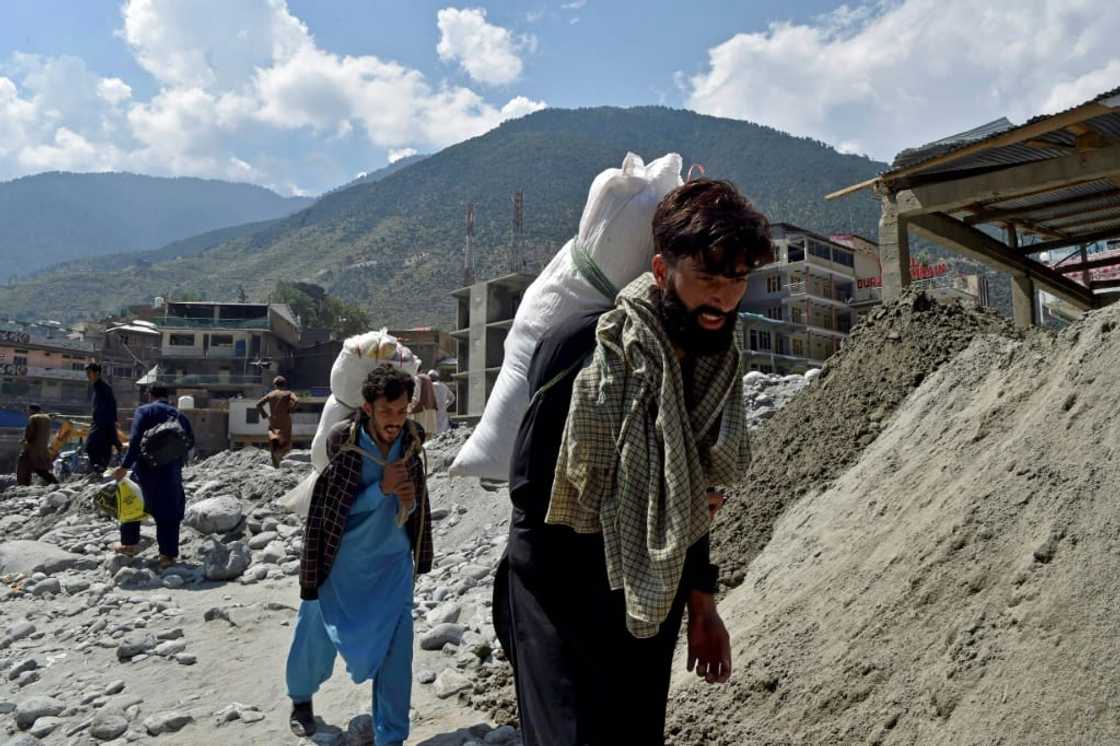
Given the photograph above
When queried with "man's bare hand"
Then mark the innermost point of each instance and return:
(396, 481)
(715, 502)
(709, 647)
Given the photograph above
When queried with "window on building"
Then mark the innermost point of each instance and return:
(122, 372)
(77, 366)
(766, 369)
(798, 347)
(774, 312)
(774, 284)
(221, 340)
(764, 341)
(252, 416)
(124, 339)
(816, 248)
(181, 340)
(797, 315)
(795, 252)
(20, 360)
(843, 257)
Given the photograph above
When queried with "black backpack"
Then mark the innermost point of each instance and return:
(165, 443)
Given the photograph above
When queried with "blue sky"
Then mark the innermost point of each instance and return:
(302, 95)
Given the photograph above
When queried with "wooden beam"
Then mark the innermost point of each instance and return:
(1009, 183)
(1092, 141)
(1065, 215)
(1110, 261)
(1079, 129)
(1061, 243)
(1105, 284)
(1043, 145)
(1065, 120)
(996, 215)
(980, 246)
(852, 189)
(1079, 225)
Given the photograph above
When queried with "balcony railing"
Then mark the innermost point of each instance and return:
(190, 379)
(180, 322)
(197, 353)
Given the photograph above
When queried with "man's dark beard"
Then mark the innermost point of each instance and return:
(683, 325)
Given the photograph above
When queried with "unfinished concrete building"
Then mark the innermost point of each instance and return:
(1009, 195)
(485, 316)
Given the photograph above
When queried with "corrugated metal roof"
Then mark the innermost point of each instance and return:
(1108, 124)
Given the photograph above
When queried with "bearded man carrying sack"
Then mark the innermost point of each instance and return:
(636, 418)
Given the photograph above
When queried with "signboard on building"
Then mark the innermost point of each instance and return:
(918, 271)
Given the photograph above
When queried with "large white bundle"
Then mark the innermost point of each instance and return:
(360, 355)
(614, 246)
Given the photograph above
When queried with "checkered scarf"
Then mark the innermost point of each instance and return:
(636, 461)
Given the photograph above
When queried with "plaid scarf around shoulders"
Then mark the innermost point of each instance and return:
(636, 461)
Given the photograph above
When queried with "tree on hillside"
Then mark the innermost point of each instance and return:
(317, 310)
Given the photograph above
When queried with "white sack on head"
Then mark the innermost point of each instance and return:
(614, 246)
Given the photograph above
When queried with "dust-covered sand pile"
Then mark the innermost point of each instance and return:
(958, 581)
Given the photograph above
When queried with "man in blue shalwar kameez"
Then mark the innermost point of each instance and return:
(368, 531)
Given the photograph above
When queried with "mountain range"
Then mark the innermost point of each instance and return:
(395, 244)
(54, 217)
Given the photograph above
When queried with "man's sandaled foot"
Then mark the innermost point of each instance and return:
(129, 550)
(166, 562)
(302, 720)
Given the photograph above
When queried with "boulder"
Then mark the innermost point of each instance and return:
(215, 515)
(30, 710)
(220, 562)
(108, 724)
(29, 557)
(134, 644)
(450, 683)
(442, 634)
(166, 722)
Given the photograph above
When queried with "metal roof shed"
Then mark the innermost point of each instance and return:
(1051, 183)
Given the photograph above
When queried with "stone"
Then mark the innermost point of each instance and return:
(447, 613)
(274, 553)
(260, 541)
(23, 739)
(170, 648)
(134, 644)
(476, 572)
(134, 577)
(426, 677)
(73, 586)
(17, 631)
(43, 727)
(33, 708)
(173, 581)
(186, 659)
(50, 585)
(166, 722)
(438, 514)
(27, 677)
(28, 557)
(19, 667)
(450, 683)
(220, 562)
(440, 635)
(115, 687)
(215, 515)
(108, 724)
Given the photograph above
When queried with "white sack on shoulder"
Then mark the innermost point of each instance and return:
(615, 234)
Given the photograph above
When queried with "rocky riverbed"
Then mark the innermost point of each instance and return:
(97, 648)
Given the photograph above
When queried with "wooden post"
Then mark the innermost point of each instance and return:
(894, 249)
(1022, 290)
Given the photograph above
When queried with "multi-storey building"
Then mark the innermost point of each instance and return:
(49, 372)
(216, 351)
(797, 309)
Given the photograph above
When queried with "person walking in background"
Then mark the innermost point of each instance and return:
(445, 397)
(281, 404)
(35, 453)
(102, 439)
(160, 479)
(422, 409)
(368, 533)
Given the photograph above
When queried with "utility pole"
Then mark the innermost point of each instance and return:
(468, 265)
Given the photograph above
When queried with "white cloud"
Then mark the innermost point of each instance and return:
(575, 5)
(399, 154)
(489, 54)
(245, 93)
(888, 75)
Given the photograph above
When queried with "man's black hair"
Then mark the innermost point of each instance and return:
(711, 221)
(94, 368)
(159, 392)
(34, 408)
(388, 382)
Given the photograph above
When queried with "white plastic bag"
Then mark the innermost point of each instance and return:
(614, 247)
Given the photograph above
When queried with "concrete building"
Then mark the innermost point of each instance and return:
(49, 372)
(797, 310)
(128, 351)
(435, 348)
(219, 351)
(485, 316)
